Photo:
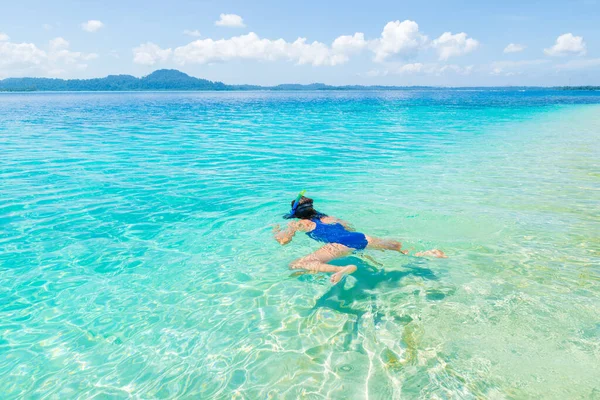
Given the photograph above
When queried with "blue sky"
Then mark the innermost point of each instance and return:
(459, 43)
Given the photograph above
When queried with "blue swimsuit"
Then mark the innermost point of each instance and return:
(336, 233)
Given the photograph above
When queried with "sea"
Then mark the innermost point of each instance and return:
(137, 258)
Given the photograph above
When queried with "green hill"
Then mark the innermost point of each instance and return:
(164, 79)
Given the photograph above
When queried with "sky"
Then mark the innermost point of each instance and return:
(376, 42)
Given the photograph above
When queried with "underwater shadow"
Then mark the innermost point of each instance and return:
(368, 278)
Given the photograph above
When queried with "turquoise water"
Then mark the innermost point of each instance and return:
(136, 257)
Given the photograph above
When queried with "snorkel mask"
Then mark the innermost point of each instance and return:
(292, 212)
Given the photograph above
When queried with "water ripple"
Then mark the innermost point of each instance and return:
(136, 257)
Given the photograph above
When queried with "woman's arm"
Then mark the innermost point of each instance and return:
(285, 236)
(334, 220)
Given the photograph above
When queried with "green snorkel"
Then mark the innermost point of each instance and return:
(294, 206)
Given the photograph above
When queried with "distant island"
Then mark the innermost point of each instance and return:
(171, 79)
(163, 79)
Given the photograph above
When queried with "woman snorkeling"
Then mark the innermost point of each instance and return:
(341, 240)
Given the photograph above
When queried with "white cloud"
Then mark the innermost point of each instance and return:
(401, 39)
(58, 44)
(4, 37)
(20, 55)
(59, 52)
(315, 53)
(230, 20)
(449, 45)
(92, 25)
(514, 48)
(398, 40)
(580, 64)
(194, 33)
(567, 44)
(149, 54)
(47, 27)
(349, 44)
(19, 59)
(252, 47)
(410, 68)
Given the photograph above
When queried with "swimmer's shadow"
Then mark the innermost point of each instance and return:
(368, 278)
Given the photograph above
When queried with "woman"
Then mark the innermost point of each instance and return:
(340, 239)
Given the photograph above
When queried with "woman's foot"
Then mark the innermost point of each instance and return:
(432, 253)
(395, 245)
(335, 278)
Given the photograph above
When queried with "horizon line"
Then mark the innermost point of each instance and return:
(258, 87)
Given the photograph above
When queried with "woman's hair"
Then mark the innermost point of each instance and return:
(305, 209)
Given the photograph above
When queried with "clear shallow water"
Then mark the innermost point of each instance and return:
(136, 257)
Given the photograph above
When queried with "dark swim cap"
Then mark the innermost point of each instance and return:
(297, 207)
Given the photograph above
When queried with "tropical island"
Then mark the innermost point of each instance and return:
(171, 79)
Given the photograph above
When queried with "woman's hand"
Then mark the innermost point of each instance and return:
(285, 236)
(276, 229)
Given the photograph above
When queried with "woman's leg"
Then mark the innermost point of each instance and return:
(432, 253)
(318, 260)
(384, 244)
(388, 244)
